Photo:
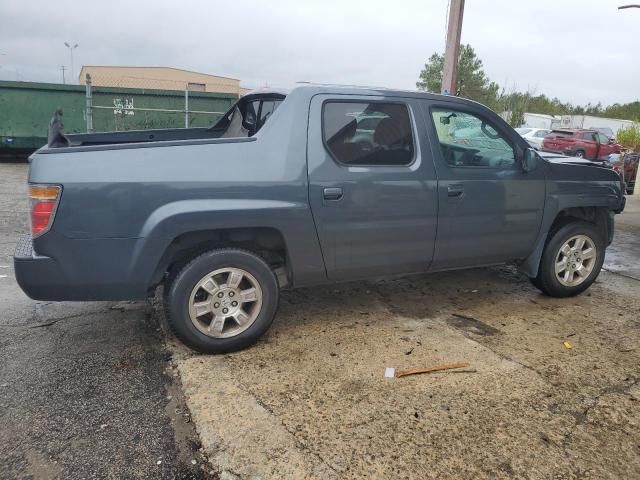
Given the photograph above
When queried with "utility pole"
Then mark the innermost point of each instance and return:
(452, 50)
(71, 49)
(63, 68)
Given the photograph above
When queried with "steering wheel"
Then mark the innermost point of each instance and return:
(483, 127)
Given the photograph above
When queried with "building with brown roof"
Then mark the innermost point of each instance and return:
(160, 78)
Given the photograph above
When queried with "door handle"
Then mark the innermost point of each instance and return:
(332, 194)
(455, 190)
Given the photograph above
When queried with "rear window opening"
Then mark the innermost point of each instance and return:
(248, 116)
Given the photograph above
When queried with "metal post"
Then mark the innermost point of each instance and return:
(63, 68)
(452, 50)
(89, 95)
(71, 49)
(186, 108)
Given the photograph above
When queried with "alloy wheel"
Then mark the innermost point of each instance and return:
(225, 302)
(575, 260)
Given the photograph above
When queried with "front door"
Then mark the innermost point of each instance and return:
(372, 185)
(605, 147)
(490, 209)
(589, 144)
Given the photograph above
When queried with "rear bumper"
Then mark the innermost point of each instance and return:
(81, 270)
(39, 277)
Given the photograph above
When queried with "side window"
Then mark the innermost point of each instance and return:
(604, 140)
(588, 136)
(542, 133)
(375, 133)
(470, 141)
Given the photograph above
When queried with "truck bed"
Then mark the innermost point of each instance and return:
(141, 136)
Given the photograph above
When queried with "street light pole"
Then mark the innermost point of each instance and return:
(71, 49)
(452, 50)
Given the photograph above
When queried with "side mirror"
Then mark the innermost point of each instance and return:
(529, 160)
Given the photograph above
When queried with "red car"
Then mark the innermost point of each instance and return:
(589, 144)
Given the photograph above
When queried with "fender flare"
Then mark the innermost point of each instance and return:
(554, 206)
(177, 218)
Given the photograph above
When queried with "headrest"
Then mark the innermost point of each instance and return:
(347, 132)
(391, 131)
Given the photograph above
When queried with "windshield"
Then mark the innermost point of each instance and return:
(523, 131)
(605, 130)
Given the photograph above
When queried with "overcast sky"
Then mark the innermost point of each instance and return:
(579, 50)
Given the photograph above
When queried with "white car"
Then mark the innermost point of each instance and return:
(533, 135)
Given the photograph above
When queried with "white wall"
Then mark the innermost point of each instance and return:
(538, 120)
(586, 121)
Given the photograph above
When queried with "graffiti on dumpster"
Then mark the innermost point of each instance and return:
(123, 106)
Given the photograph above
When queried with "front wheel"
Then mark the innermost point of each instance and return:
(571, 261)
(222, 301)
(580, 154)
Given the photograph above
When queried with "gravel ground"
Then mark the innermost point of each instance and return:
(86, 389)
(310, 400)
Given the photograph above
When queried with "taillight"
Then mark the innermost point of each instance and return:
(44, 201)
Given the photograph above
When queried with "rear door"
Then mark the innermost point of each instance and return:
(372, 185)
(490, 210)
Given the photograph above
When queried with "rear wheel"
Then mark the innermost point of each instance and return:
(571, 261)
(222, 301)
(580, 154)
(535, 283)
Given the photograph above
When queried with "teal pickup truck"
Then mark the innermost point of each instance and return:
(316, 185)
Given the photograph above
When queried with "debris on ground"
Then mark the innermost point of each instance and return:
(567, 345)
(391, 372)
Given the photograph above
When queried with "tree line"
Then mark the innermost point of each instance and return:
(475, 85)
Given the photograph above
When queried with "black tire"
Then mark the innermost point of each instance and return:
(179, 293)
(580, 154)
(546, 279)
(535, 283)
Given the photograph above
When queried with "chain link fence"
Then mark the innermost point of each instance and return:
(118, 103)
